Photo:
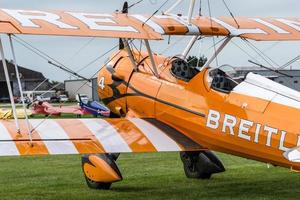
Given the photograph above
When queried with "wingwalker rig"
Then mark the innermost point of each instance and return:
(162, 104)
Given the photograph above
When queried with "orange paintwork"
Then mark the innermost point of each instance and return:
(76, 129)
(119, 25)
(47, 28)
(133, 136)
(24, 147)
(100, 171)
(107, 136)
(185, 106)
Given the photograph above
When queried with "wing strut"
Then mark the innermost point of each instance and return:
(132, 60)
(191, 9)
(20, 86)
(189, 46)
(190, 12)
(172, 7)
(9, 85)
(221, 47)
(151, 58)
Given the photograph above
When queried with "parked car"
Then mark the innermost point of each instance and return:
(4, 99)
(63, 98)
(26, 100)
(54, 99)
(42, 98)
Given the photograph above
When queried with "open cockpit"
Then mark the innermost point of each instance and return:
(221, 81)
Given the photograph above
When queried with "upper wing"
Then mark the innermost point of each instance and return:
(82, 136)
(73, 24)
(142, 27)
(264, 29)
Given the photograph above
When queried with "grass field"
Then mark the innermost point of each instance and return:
(146, 176)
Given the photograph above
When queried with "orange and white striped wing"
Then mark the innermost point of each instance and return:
(82, 136)
(137, 26)
(35, 22)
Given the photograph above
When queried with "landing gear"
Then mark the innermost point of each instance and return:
(97, 185)
(201, 165)
(100, 170)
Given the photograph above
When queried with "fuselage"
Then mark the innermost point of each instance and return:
(228, 122)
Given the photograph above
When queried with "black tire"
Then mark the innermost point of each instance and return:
(97, 185)
(204, 176)
(193, 165)
(191, 171)
(189, 157)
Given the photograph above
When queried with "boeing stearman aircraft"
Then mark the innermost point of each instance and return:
(161, 103)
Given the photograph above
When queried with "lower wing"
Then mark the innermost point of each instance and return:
(83, 136)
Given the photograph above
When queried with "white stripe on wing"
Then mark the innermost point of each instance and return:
(7, 148)
(159, 139)
(106, 134)
(50, 130)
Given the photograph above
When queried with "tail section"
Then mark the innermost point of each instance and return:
(293, 154)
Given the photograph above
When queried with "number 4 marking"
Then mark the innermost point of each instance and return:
(101, 83)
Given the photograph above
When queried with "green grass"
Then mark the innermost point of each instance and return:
(146, 176)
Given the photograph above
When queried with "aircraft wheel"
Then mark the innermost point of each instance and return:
(100, 170)
(191, 165)
(201, 165)
(191, 171)
(97, 185)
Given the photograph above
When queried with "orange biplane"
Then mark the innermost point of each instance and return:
(161, 103)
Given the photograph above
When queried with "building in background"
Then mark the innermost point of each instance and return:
(30, 79)
(81, 86)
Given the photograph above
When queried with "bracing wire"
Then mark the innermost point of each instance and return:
(44, 55)
(172, 45)
(212, 46)
(80, 50)
(266, 58)
(231, 14)
(290, 62)
(134, 4)
(97, 58)
(211, 26)
(200, 8)
(155, 12)
(39, 51)
(47, 58)
(85, 82)
(244, 51)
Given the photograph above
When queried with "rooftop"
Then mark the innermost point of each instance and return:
(25, 74)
